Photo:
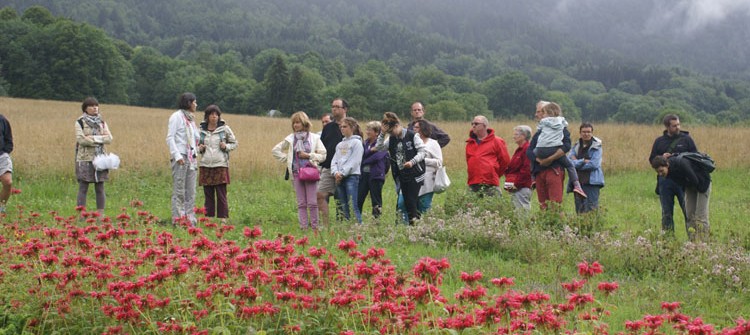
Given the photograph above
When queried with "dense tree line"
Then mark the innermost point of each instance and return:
(377, 65)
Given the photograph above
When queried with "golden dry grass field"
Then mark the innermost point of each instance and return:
(44, 138)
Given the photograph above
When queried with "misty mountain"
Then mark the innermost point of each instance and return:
(707, 36)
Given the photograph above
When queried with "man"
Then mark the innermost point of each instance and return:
(697, 186)
(330, 136)
(486, 158)
(672, 141)
(587, 159)
(417, 113)
(548, 172)
(326, 119)
(6, 164)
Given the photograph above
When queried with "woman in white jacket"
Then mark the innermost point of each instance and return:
(297, 150)
(433, 160)
(216, 141)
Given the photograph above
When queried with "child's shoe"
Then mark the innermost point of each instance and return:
(578, 190)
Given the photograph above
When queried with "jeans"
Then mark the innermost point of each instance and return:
(423, 205)
(347, 193)
(668, 190)
(591, 202)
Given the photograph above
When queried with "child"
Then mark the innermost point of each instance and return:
(550, 140)
(375, 165)
(345, 167)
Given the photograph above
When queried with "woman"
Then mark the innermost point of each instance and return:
(374, 167)
(92, 133)
(216, 141)
(586, 156)
(697, 184)
(297, 150)
(407, 153)
(182, 139)
(518, 173)
(345, 167)
(433, 160)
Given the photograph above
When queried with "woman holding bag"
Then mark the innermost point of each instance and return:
(92, 133)
(302, 150)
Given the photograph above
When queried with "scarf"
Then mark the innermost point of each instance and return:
(95, 123)
(189, 131)
(301, 144)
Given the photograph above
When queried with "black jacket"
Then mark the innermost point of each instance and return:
(688, 174)
(663, 144)
(6, 136)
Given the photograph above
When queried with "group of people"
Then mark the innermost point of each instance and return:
(351, 164)
(537, 162)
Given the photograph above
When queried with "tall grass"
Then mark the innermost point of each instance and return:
(45, 140)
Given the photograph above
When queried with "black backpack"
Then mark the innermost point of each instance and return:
(700, 159)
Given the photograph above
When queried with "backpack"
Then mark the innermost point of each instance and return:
(704, 161)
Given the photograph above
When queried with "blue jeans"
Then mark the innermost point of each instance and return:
(347, 193)
(591, 202)
(668, 190)
(424, 204)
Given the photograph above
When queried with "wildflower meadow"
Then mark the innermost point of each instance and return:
(470, 266)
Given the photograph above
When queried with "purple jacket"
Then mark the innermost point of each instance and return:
(376, 160)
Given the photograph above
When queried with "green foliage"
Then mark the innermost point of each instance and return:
(511, 94)
(378, 57)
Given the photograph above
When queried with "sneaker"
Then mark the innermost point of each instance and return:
(579, 191)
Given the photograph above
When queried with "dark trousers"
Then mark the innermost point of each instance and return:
(410, 190)
(668, 190)
(216, 201)
(375, 189)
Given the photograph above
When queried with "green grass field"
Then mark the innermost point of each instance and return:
(712, 281)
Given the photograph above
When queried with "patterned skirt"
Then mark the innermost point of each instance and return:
(86, 172)
(213, 176)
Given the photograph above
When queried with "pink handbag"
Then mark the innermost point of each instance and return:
(309, 173)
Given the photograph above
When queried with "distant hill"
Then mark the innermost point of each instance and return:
(708, 37)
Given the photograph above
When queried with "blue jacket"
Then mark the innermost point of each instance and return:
(377, 160)
(594, 166)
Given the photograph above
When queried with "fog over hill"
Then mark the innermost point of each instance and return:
(708, 36)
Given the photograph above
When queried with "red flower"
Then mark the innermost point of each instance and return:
(471, 278)
(670, 306)
(589, 270)
(574, 286)
(15, 190)
(252, 233)
(347, 245)
(502, 281)
(608, 288)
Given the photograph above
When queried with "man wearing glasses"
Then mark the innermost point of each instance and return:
(331, 136)
(486, 158)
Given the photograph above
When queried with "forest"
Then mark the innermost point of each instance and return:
(252, 56)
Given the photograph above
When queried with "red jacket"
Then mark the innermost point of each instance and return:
(486, 161)
(519, 169)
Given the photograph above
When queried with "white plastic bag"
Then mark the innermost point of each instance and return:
(107, 161)
(441, 180)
